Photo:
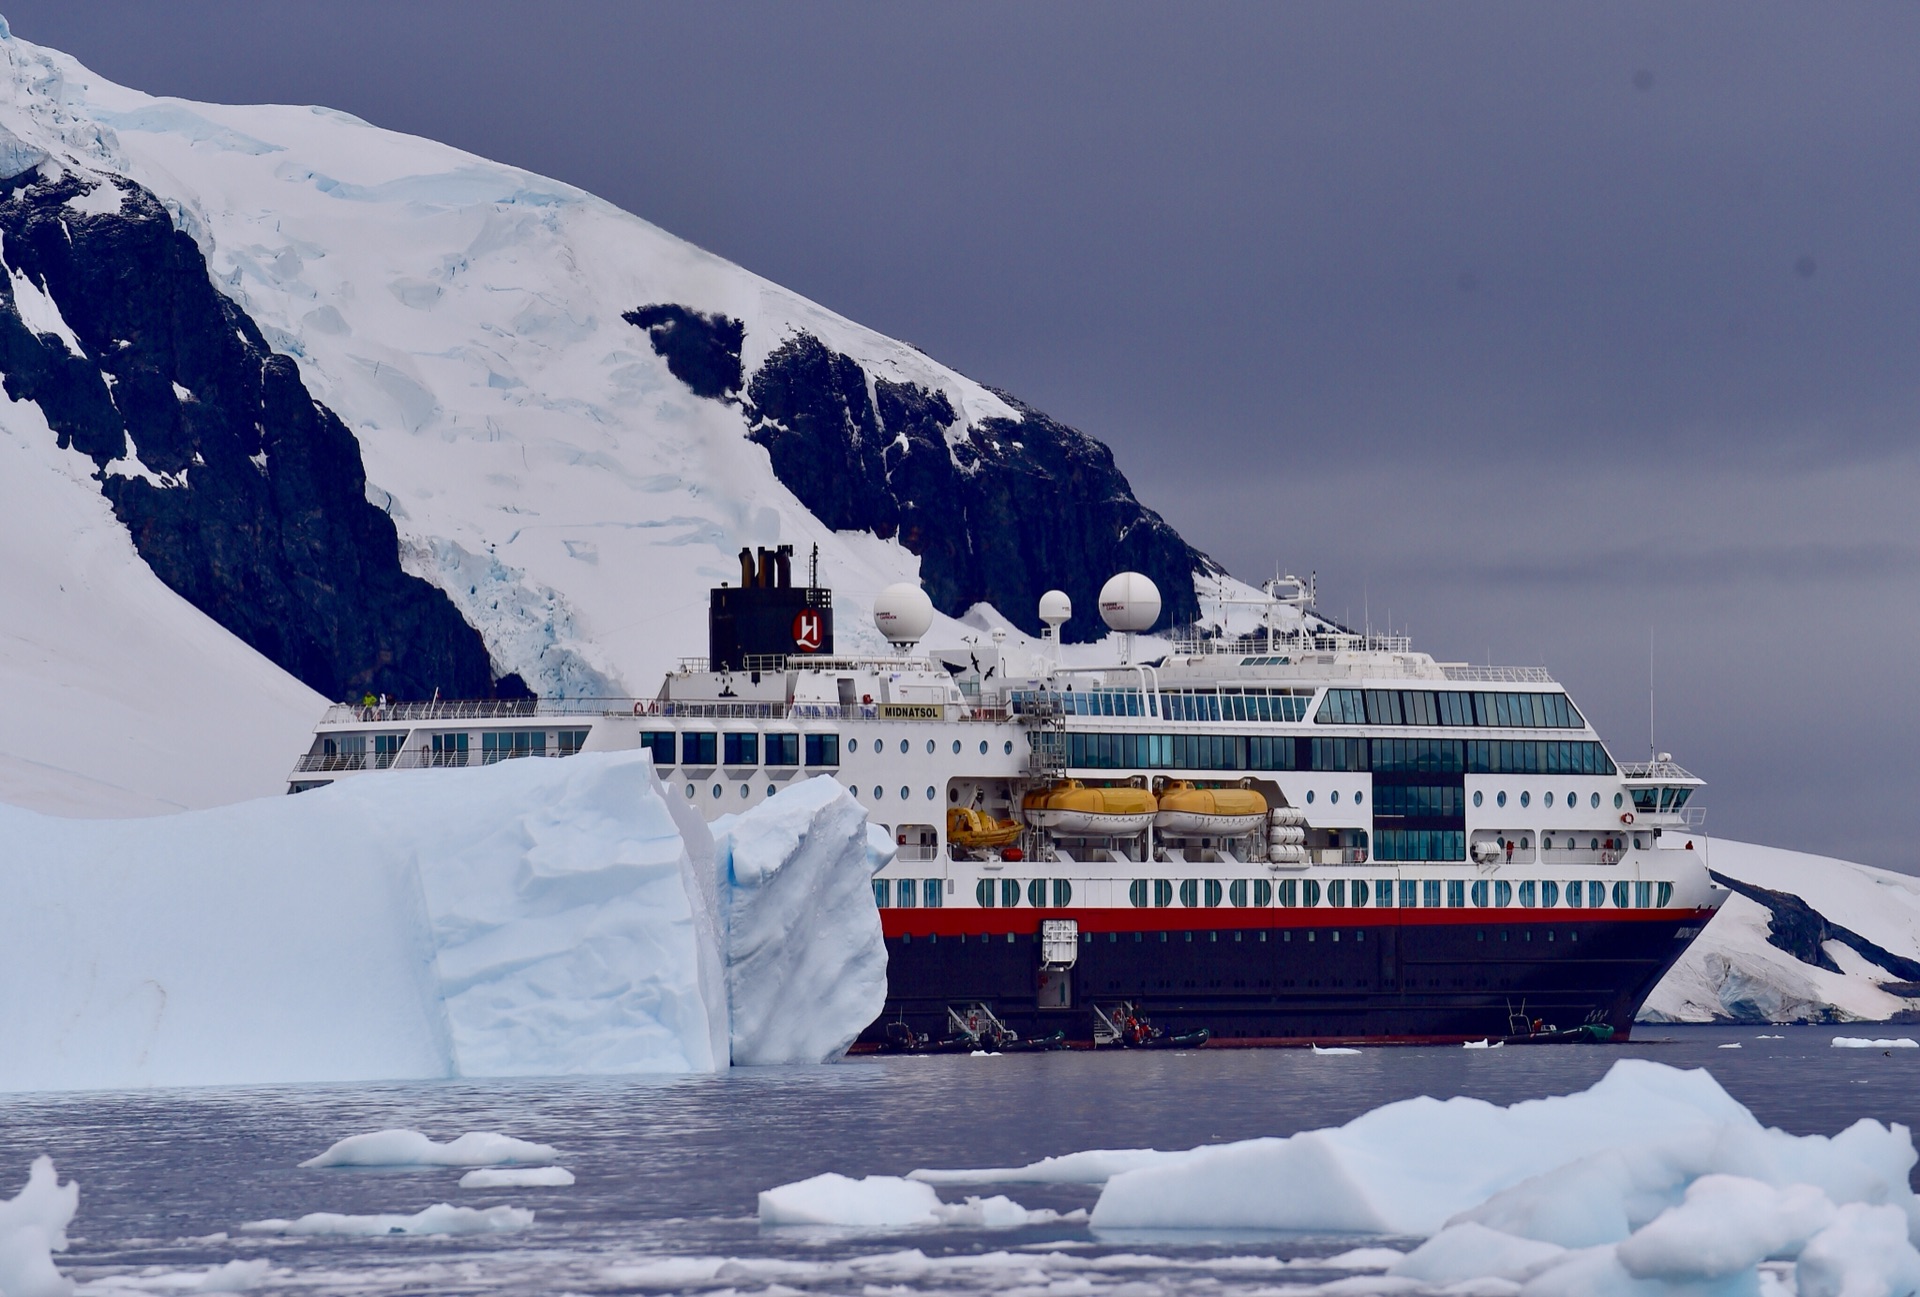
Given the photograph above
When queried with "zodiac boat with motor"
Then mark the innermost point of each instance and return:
(1295, 833)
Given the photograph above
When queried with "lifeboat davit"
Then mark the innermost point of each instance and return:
(1187, 809)
(1073, 809)
(973, 830)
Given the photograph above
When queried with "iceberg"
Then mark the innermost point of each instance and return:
(517, 1177)
(536, 917)
(806, 959)
(888, 1202)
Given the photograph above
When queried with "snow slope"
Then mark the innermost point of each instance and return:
(121, 698)
(1733, 972)
(463, 317)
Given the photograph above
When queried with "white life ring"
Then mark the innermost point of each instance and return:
(1627, 818)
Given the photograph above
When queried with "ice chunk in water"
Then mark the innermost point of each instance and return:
(411, 1148)
(877, 1201)
(33, 1226)
(441, 1218)
(518, 1177)
(1862, 1042)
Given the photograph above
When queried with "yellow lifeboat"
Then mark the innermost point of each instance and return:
(1072, 809)
(1186, 809)
(973, 830)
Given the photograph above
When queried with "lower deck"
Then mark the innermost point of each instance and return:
(1285, 976)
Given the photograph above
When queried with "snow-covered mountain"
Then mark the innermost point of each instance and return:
(1805, 938)
(572, 419)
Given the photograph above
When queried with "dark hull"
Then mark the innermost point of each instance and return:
(1279, 976)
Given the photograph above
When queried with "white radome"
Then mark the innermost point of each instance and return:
(903, 612)
(1129, 602)
(1055, 608)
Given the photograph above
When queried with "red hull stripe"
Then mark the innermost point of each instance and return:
(971, 921)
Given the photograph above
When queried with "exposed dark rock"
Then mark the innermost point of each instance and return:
(999, 512)
(702, 351)
(1800, 930)
(260, 518)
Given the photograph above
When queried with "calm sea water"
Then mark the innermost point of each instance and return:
(668, 1169)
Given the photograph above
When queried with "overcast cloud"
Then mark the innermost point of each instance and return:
(1542, 330)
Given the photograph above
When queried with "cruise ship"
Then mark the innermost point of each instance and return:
(1292, 835)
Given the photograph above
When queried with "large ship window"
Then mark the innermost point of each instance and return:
(983, 893)
(501, 746)
(1448, 708)
(1430, 893)
(881, 892)
(1309, 893)
(823, 749)
(699, 749)
(1037, 893)
(1288, 892)
(1481, 893)
(451, 750)
(1009, 894)
(1137, 893)
(1189, 892)
(1456, 893)
(1062, 894)
(1529, 894)
(1409, 893)
(783, 749)
(662, 744)
(1262, 896)
(905, 891)
(1237, 893)
(1502, 894)
(1620, 895)
(1162, 893)
(935, 893)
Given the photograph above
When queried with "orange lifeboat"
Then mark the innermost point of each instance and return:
(1186, 809)
(1073, 809)
(974, 830)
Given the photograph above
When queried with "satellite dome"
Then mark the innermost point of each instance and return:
(903, 612)
(1129, 602)
(1055, 608)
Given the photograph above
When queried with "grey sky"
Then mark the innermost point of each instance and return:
(1542, 327)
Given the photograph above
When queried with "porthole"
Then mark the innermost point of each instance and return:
(1616, 800)
(1548, 800)
(1334, 797)
(1595, 846)
(1309, 796)
(853, 745)
(983, 747)
(930, 792)
(1501, 800)
(1546, 842)
(956, 747)
(1594, 801)
(953, 794)
(905, 792)
(1359, 797)
(1007, 747)
(716, 791)
(689, 792)
(903, 747)
(746, 790)
(1479, 797)
(879, 793)
(1525, 798)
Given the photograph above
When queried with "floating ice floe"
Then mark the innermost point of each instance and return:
(1483, 1044)
(890, 1202)
(1334, 1049)
(411, 1148)
(518, 1177)
(1735, 1045)
(1861, 1042)
(1093, 1166)
(441, 1218)
(234, 1276)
